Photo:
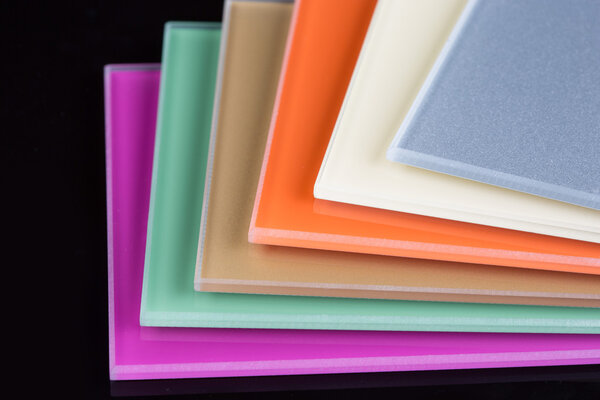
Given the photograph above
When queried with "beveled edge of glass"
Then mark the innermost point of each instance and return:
(192, 25)
(131, 67)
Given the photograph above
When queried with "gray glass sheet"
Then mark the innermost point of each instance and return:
(514, 101)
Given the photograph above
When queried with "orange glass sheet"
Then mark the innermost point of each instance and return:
(325, 41)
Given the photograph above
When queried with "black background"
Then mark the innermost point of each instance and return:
(54, 189)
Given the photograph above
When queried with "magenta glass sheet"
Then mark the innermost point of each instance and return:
(131, 96)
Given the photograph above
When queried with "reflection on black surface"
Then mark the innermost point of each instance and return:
(576, 373)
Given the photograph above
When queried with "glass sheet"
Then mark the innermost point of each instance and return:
(131, 95)
(514, 101)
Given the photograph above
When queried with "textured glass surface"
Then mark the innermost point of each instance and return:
(514, 101)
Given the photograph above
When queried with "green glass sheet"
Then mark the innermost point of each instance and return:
(189, 68)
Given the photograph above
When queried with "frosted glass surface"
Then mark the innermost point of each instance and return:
(514, 101)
